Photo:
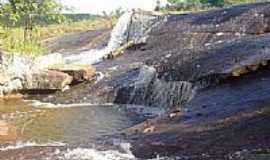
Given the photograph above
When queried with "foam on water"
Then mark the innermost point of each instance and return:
(92, 154)
(39, 104)
(23, 144)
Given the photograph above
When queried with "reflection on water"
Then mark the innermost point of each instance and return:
(75, 126)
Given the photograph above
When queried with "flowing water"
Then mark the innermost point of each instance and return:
(78, 126)
(131, 26)
(118, 38)
(71, 125)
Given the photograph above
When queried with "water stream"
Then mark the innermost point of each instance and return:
(131, 26)
(118, 37)
(81, 125)
(78, 127)
(75, 125)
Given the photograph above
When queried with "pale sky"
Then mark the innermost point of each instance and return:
(97, 6)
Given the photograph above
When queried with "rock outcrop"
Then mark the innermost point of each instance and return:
(186, 52)
(79, 73)
(45, 73)
(47, 80)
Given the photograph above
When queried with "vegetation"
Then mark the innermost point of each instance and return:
(27, 12)
(25, 24)
(195, 5)
(12, 39)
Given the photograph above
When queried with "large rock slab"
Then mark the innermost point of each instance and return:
(18, 73)
(208, 43)
(47, 80)
(80, 73)
(183, 54)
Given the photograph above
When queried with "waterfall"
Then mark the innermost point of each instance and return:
(152, 91)
(118, 37)
(131, 26)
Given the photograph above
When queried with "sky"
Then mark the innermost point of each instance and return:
(97, 6)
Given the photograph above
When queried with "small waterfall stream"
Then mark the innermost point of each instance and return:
(131, 26)
(60, 124)
(148, 89)
(118, 37)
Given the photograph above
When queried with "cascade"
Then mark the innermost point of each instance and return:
(152, 91)
(131, 26)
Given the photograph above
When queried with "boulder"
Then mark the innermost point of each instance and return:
(47, 80)
(79, 73)
(8, 133)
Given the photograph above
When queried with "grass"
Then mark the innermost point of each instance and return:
(68, 27)
(12, 41)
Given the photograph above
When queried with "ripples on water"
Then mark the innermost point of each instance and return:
(75, 126)
(57, 126)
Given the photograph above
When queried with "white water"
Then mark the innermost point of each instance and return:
(159, 92)
(39, 104)
(92, 154)
(81, 153)
(118, 37)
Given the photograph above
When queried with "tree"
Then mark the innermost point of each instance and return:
(214, 3)
(28, 11)
(187, 4)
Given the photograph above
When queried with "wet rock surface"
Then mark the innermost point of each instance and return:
(217, 123)
(211, 68)
(203, 48)
(226, 117)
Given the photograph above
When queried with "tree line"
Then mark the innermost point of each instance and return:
(204, 4)
(28, 12)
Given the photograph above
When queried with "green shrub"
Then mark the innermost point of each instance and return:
(12, 41)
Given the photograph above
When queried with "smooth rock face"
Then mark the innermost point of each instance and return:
(47, 80)
(209, 43)
(187, 52)
(79, 73)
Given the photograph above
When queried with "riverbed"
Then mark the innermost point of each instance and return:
(48, 128)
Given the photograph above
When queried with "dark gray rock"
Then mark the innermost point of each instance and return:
(196, 49)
